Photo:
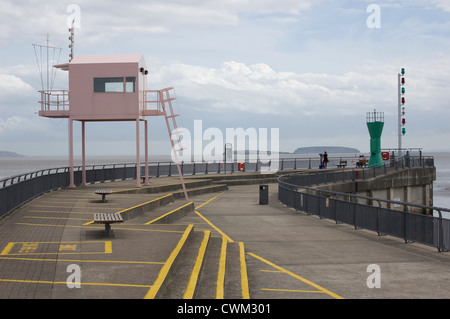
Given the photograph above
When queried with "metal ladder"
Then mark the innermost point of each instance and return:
(165, 99)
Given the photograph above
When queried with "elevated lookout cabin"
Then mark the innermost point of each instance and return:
(109, 88)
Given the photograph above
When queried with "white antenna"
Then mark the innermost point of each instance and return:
(50, 51)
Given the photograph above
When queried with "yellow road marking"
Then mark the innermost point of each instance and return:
(210, 200)
(213, 226)
(86, 260)
(332, 294)
(167, 214)
(66, 202)
(94, 207)
(294, 290)
(7, 249)
(153, 200)
(29, 248)
(218, 294)
(81, 283)
(189, 292)
(151, 294)
(65, 218)
(127, 209)
(244, 278)
(102, 227)
(221, 274)
(59, 212)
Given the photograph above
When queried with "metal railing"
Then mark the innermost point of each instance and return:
(16, 190)
(54, 100)
(295, 191)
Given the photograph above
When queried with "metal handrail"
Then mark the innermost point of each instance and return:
(54, 100)
(289, 198)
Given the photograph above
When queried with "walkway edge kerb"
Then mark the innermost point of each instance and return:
(160, 281)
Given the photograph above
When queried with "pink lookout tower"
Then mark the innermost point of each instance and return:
(110, 88)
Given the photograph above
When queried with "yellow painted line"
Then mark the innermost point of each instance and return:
(108, 247)
(156, 186)
(86, 260)
(47, 225)
(332, 294)
(7, 249)
(220, 296)
(293, 290)
(81, 283)
(167, 214)
(9, 246)
(189, 292)
(200, 188)
(151, 294)
(221, 274)
(65, 202)
(147, 230)
(210, 200)
(153, 200)
(213, 226)
(102, 227)
(126, 209)
(244, 277)
(65, 218)
(94, 207)
(59, 212)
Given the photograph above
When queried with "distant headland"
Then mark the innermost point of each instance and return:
(9, 154)
(328, 149)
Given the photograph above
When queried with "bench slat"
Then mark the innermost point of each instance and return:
(107, 218)
(103, 191)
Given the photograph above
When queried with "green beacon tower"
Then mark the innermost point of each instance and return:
(375, 123)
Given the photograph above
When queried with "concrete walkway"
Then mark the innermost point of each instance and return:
(294, 255)
(288, 254)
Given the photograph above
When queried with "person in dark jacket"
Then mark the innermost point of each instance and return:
(325, 159)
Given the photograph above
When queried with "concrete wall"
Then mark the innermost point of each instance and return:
(412, 185)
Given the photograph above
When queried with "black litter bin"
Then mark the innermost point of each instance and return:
(263, 194)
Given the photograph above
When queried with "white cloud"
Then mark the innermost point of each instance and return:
(11, 84)
(106, 20)
(443, 4)
(258, 88)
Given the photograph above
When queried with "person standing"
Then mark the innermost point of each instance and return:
(325, 159)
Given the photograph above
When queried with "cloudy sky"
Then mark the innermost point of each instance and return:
(312, 68)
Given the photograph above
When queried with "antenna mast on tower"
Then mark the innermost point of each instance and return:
(52, 53)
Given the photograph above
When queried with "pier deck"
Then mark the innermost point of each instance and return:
(288, 254)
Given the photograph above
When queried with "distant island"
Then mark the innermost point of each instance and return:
(328, 149)
(9, 154)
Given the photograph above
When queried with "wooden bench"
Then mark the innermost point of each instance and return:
(342, 164)
(107, 219)
(103, 192)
